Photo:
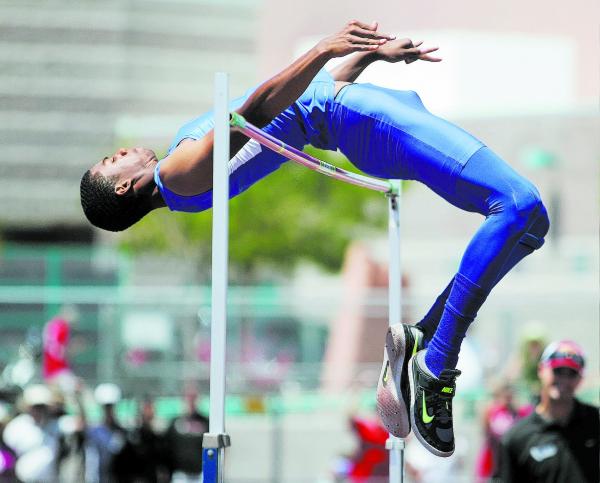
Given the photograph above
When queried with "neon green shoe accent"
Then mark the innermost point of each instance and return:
(426, 417)
(448, 390)
(414, 351)
(386, 373)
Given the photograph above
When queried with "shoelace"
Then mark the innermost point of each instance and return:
(449, 375)
(442, 406)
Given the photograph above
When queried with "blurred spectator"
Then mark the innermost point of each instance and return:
(148, 447)
(72, 430)
(498, 418)
(23, 368)
(183, 440)
(34, 437)
(371, 458)
(7, 455)
(369, 462)
(558, 442)
(524, 369)
(55, 364)
(106, 443)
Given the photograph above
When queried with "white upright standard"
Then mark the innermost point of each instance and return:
(393, 444)
(216, 440)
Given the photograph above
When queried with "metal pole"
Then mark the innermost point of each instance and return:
(393, 444)
(216, 440)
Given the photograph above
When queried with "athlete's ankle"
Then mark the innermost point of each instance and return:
(434, 362)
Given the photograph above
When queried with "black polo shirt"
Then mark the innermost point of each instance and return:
(536, 450)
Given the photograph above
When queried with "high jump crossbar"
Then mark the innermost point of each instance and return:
(385, 186)
(216, 440)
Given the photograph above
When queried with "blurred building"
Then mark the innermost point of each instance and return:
(80, 79)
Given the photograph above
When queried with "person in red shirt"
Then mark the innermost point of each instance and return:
(501, 414)
(55, 364)
(56, 340)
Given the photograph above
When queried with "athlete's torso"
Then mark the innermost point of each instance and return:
(385, 133)
(304, 122)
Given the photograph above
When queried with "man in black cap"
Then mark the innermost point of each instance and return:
(558, 442)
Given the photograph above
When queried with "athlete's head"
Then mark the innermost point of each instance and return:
(116, 191)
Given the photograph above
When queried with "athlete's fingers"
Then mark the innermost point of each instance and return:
(365, 30)
(367, 34)
(369, 27)
(424, 55)
(430, 58)
(363, 25)
(353, 39)
(413, 52)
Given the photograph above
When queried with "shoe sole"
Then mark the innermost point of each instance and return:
(390, 404)
(415, 428)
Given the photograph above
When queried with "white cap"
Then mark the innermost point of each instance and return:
(22, 434)
(37, 395)
(107, 393)
(36, 465)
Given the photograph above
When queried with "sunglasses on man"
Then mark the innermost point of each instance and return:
(566, 372)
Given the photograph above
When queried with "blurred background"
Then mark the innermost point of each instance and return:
(104, 339)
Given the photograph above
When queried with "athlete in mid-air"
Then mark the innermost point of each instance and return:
(385, 133)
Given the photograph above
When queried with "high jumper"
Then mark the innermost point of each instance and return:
(385, 133)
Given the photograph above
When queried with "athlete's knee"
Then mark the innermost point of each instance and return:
(541, 225)
(534, 237)
(522, 207)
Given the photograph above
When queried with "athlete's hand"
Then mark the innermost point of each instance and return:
(354, 37)
(404, 49)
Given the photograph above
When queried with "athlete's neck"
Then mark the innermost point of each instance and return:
(145, 186)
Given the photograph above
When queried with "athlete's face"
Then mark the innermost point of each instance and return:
(124, 164)
(559, 383)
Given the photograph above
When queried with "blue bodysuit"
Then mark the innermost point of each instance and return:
(390, 134)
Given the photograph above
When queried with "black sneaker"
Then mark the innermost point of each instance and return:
(431, 406)
(393, 390)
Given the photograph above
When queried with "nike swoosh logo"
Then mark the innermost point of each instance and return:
(386, 373)
(426, 417)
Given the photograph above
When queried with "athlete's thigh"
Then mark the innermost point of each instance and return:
(487, 182)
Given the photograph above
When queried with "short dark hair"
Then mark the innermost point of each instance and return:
(106, 209)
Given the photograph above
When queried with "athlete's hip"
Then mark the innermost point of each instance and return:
(390, 133)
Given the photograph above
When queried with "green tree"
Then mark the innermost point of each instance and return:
(294, 214)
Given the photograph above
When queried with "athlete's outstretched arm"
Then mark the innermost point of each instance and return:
(280, 91)
(188, 170)
(393, 51)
